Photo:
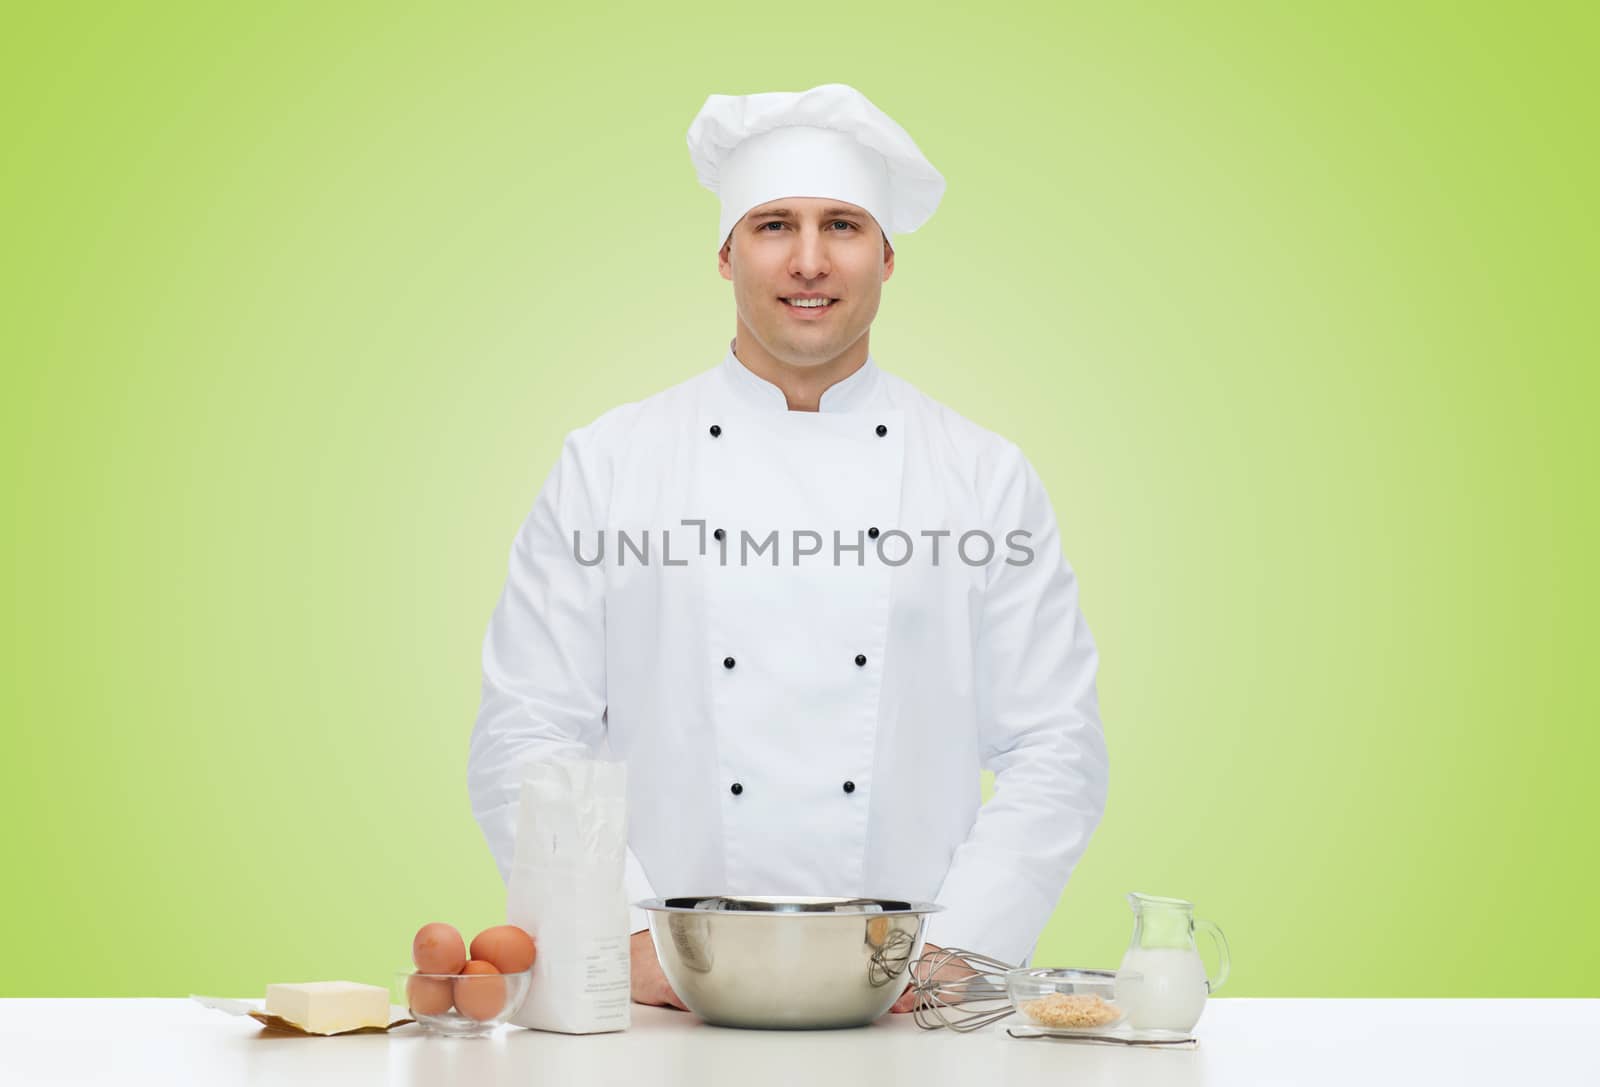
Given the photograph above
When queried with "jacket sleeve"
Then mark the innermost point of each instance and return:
(1039, 732)
(544, 659)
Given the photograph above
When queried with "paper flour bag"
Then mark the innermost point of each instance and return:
(567, 890)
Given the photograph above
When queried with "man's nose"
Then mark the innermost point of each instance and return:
(809, 257)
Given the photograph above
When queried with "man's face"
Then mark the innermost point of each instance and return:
(806, 246)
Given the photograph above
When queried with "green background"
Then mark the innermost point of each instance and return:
(1285, 306)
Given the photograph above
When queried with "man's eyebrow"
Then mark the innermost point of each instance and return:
(785, 213)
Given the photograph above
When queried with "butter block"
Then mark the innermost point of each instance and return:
(329, 1007)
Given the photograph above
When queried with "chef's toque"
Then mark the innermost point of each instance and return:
(827, 142)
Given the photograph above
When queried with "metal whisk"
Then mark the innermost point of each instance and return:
(972, 998)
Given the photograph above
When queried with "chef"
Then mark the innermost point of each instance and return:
(804, 602)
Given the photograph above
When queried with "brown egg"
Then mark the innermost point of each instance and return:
(429, 996)
(508, 948)
(481, 993)
(438, 949)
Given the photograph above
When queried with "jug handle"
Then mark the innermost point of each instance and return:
(1222, 954)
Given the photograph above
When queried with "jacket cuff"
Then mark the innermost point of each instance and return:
(638, 888)
(990, 908)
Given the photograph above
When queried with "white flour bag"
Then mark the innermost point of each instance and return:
(567, 890)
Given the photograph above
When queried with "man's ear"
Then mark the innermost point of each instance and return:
(888, 260)
(725, 259)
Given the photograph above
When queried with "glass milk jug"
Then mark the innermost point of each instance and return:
(1163, 983)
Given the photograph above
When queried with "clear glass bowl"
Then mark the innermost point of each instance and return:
(461, 1005)
(1075, 1001)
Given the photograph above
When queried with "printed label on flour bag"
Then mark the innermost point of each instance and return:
(567, 890)
(608, 989)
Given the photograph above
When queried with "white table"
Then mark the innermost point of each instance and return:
(1242, 1041)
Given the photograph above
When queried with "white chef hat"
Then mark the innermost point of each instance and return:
(828, 141)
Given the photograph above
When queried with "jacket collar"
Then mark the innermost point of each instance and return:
(851, 394)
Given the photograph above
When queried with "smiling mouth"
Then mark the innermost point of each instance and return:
(808, 303)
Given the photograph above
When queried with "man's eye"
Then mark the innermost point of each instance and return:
(846, 222)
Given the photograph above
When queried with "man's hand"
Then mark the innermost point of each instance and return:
(649, 983)
(954, 970)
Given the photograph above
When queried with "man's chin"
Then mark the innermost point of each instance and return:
(807, 353)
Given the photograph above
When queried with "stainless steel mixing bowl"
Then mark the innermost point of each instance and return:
(787, 962)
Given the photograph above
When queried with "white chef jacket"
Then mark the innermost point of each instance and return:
(798, 723)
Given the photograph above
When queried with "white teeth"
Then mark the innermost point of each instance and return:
(809, 303)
